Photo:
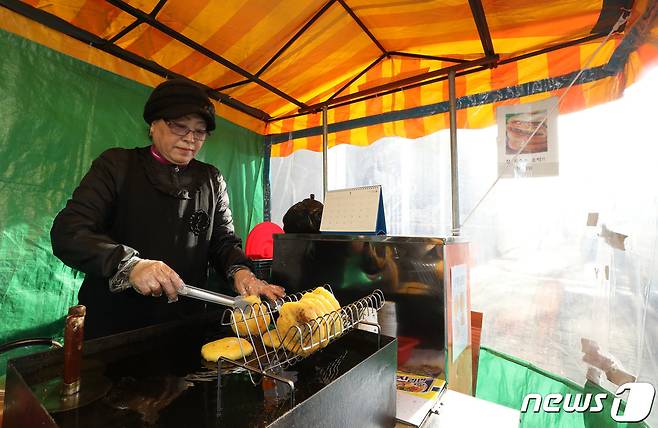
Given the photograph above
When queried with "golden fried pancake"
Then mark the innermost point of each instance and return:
(228, 347)
(335, 315)
(327, 295)
(271, 339)
(302, 314)
(324, 309)
(256, 318)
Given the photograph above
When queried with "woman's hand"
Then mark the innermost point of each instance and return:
(247, 284)
(153, 277)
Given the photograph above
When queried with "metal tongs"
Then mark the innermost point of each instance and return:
(237, 302)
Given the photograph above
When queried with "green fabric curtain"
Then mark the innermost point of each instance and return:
(507, 380)
(56, 115)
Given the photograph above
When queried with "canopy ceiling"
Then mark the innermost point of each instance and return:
(278, 60)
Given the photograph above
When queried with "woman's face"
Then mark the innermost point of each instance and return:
(179, 140)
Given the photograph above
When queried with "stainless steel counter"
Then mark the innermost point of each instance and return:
(409, 270)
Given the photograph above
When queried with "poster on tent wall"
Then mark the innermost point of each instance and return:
(527, 139)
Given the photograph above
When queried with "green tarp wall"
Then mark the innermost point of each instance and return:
(506, 380)
(56, 115)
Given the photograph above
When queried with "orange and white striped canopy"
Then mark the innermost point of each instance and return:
(379, 66)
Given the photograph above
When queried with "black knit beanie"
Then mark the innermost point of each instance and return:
(175, 98)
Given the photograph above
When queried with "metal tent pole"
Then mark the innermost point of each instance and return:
(454, 170)
(325, 145)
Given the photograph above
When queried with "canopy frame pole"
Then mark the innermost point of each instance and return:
(294, 38)
(158, 7)
(363, 26)
(158, 25)
(483, 28)
(424, 56)
(355, 78)
(64, 27)
(488, 62)
(325, 146)
(454, 158)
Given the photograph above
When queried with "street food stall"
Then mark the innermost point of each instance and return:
(156, 375)
(286, 78)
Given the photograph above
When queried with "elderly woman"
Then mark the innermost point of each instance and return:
(144, 221)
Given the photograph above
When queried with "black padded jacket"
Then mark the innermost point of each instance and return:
(129, 204)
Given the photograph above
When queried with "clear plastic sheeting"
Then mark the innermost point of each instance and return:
(557, 261)
(414, 174)
(293, 179)
(574, 256)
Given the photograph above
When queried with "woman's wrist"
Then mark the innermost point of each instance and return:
(121, 280)
(243, 282)
(230, 273)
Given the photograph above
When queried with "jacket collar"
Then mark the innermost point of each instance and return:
(171, 179)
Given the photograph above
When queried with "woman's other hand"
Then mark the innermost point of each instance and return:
(247, 284)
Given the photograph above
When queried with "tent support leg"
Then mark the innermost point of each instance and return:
(325, 145)
(454, 159)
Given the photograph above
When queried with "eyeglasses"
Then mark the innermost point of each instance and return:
(182, 130)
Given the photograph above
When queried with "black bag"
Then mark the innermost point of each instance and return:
(304, 216)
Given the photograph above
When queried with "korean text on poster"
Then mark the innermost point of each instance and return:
(527, 139)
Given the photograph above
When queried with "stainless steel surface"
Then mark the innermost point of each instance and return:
(300, 340)
(54, 397)
(236, 302)
(408, 270)
(454, 158)
(325, 147)
(460, 410)
(388, 321)
(70, 388)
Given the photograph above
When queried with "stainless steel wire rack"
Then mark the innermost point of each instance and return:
(275, 350)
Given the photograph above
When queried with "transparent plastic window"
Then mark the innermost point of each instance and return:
(559, 262)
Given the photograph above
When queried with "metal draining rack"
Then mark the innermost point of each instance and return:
(299, 341)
